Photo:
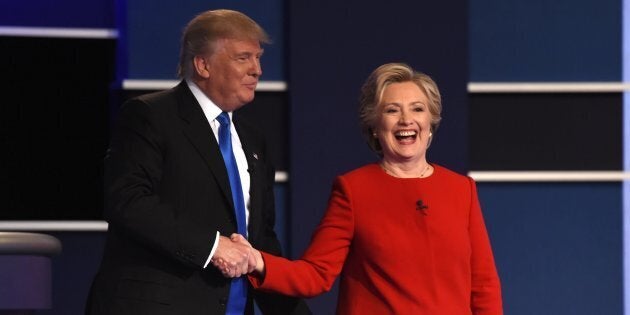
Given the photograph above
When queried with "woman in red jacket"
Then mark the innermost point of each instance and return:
(407, 236)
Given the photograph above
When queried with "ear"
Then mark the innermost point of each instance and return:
(373, 132)
(201, 66)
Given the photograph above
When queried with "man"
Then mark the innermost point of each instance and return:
(183, 173)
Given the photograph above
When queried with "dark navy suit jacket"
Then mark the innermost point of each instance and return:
(166, 194)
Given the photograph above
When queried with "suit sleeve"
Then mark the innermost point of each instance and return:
(268, 240)
(133, 204)
(486, 288)
(322, 262)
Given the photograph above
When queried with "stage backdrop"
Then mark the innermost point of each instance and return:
(333, 47)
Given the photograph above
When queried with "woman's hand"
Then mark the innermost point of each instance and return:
(254, 260)
(258, 264)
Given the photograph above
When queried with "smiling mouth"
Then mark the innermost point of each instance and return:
(406, 135)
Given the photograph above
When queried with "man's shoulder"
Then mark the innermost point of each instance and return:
(159, 98)
(160, 102)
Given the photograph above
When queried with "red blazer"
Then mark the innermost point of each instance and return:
(395, 256)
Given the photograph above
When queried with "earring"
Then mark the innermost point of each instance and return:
(430, 134)
(374, 134)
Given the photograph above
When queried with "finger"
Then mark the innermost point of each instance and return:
(217, 262)
(225, 268)
(251, 264)
(245, 269)
(225, 272)
(260, 262)
(236, 266)
(234, 273)
(243, 266)
(221, 264)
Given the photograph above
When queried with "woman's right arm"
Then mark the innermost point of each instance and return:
(323, 260)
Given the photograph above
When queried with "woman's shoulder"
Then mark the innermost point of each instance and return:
(444, 174)
(372, 171)
(363, 172)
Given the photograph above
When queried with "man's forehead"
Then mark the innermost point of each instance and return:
(242, 45)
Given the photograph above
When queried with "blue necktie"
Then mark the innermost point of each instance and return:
(238, 290)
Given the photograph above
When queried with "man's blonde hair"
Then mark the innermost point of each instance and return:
(202, 33)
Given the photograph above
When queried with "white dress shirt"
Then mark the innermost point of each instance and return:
(212, 111)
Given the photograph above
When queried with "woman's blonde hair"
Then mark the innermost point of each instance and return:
(372, 93)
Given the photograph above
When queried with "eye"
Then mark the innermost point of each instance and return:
(391, 109)
(418, 109)
(242, 57)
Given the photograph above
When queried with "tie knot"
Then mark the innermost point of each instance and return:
(224, 119)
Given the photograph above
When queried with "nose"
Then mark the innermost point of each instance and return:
(256, 69)
(404, 118)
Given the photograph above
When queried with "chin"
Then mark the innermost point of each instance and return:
(247, 98)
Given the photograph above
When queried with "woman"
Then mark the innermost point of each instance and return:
(406, 235)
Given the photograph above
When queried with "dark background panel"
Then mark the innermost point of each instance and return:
(557, 246)
(53, 126)
(542, 41)
(557, 131)
(269, 111)
(333, 47)
(58, 13)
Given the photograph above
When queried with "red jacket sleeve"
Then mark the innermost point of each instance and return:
(322, 262)
(486, 288)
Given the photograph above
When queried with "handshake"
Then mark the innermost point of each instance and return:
(235, 257)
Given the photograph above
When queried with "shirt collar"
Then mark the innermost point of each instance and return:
(210, 109)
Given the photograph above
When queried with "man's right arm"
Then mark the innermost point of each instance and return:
(234, 259)
(133, 174)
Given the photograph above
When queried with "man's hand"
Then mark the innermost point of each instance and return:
(258, 262)
(234, 259)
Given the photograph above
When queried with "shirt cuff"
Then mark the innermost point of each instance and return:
(214, 249)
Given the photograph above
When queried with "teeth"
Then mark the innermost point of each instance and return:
(406, 133)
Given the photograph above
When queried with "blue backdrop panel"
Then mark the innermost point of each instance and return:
(59, 13)
(540, 40)
(280, 192)
(558, 246)
(153, 31)
(73, 270)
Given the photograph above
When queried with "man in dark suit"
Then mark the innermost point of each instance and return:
(170, 198)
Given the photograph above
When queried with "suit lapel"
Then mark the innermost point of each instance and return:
(252, 154)
(198, 131)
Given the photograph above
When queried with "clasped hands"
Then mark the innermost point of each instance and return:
(235, 257)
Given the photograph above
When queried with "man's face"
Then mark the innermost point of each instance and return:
(232, 73)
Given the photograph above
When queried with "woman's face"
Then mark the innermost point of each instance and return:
(403, 123)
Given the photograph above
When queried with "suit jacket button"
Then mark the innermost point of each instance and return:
(223, 301)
